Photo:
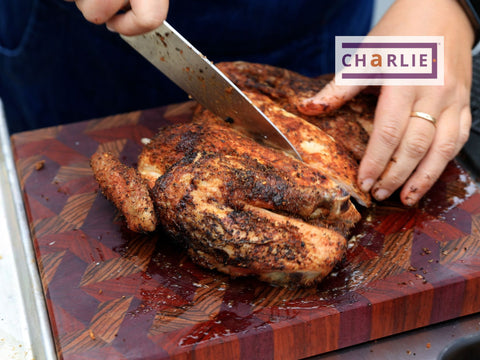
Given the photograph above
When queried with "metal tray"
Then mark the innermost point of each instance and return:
(25, 331)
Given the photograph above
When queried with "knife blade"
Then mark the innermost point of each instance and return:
(182, 63)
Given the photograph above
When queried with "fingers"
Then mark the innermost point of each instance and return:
(98, 12)
(403, 150)
(411, 150)
(331, 97)
(390, 123)
(141, 15)
(448, 142)
(144, 16)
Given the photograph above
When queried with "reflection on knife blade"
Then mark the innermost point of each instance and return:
(169, 52)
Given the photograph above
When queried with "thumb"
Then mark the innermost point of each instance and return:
(330, 98)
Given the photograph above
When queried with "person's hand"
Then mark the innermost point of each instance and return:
(137, 17)
(406, 150)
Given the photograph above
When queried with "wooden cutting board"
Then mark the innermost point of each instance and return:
(113, 294)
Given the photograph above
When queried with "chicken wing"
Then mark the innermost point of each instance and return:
(126, 189)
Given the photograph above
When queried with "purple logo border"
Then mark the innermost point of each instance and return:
(376, 45)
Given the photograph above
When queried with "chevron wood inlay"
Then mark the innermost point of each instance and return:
(113, 294)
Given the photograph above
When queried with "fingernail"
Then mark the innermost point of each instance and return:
(313, 106)
(315, 100)
(366, 185)
(110, 29)
(381, 194)
(411, 200)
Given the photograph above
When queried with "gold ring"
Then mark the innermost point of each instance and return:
(424, 116)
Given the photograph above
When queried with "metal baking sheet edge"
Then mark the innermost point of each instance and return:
(28, 277)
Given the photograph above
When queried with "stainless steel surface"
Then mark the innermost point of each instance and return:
(424, 344)
(189, 69)
(24, 327)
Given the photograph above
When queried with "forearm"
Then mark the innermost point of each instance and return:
(426, 17)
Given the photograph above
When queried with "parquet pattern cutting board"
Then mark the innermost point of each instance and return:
(113, 294)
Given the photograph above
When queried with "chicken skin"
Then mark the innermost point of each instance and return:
(244, 218)
(316, 147)
(350, 125)
(238, 206)
(133, 200)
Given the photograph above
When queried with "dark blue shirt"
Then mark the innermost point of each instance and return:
(56, 68)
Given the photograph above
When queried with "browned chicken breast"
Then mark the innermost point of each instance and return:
(241, 207)
(316, 147)
(349, 125)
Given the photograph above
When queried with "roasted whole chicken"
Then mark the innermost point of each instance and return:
(245, 208)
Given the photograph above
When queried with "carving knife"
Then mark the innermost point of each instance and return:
(173, 55)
